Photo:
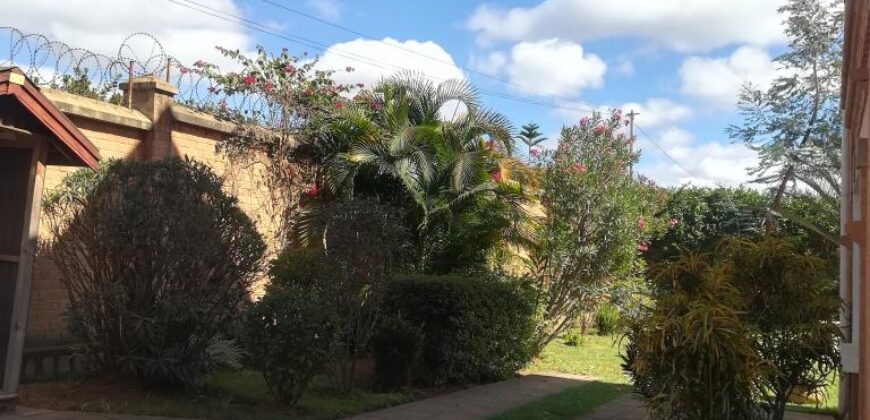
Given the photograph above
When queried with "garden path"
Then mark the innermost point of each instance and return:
(481, 401)
(25, 413)
(629, 407)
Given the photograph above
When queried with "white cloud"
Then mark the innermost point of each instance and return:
(653, 113)
(704, 164)
(717, 81)
(327, 9)
(685, 25)
(373, 60)
(101, 26)
(656, 112)
(554, 67)
(492, 63)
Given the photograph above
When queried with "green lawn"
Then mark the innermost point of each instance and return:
(228, 395)
(598, 357)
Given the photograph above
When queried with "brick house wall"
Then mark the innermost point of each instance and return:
(153, 127)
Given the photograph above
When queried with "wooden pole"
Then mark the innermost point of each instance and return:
(631, 115)
(130, 86)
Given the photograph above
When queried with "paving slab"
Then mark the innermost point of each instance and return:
(482, 401)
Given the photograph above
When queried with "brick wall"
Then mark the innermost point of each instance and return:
(122, 133)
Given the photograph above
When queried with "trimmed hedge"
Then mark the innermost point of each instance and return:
(475, 329)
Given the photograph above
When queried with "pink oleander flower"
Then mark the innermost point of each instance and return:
(289, 69)
(183, 70)
(268, 86)
(642, 246)
(673, 222)
(578, 168)
(641, 224)
(311, 191)
(584, 121)
(599, 129)
(535, 152)
(375, 106)
(249, 79)
(339, 105)
(496, 175)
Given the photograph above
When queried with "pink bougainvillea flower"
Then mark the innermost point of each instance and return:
(496, 175)
(535, 152)
(642, 246)
(673, 222)
(268, 86)
(289, 69)
(249, 79)
(641, 224)
(339, 105)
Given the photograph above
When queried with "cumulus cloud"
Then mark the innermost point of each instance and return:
(548, 67)
(101, 26)
(653, 113)
(718, 81)
(684, 25)
(373, 60)
(708, 163)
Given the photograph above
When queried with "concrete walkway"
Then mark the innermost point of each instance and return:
(480, 402)
(25, 413)
(630, 407)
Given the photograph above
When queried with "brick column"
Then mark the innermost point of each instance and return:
(154, 98)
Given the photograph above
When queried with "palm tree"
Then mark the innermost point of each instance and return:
(450, 176)
(531, 136)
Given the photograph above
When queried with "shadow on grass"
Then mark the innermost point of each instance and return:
(570, 403)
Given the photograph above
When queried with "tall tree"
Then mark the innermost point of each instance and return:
(531, 136)
(794, 125)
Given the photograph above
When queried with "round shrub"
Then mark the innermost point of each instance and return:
(476, 329)
(606, 319)
(396, 346)
(289, 335)
(156, 259)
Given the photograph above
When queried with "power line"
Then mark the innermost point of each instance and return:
(411, 51)
(664, 152)
(310, 43)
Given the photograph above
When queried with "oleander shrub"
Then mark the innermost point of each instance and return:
(396, 346)
(289, 335)
(156, 260)
(476, 329)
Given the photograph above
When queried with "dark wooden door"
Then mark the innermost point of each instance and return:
(14, 174)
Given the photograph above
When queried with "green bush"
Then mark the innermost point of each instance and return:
(156, 259)
(289, 335)
(690, 354)
(396, 346)
(572, 337)
(606, 319)
(476, 329)
(792, 305)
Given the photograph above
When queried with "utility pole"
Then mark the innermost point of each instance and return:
(631, 115)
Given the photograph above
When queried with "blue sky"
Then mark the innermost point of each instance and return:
(678, 62)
